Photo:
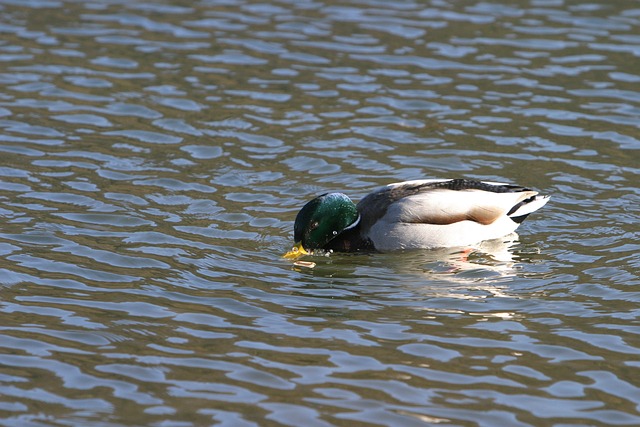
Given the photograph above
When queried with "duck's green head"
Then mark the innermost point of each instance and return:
(321, 220)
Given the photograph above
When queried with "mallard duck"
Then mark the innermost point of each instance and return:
(430, 213)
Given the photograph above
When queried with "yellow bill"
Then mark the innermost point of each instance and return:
(296, 252)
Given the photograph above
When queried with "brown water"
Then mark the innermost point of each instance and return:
(154, 155)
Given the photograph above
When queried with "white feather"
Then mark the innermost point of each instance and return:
(453, 203)
(395, 236)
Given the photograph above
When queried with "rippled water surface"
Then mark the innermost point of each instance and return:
(153, 157)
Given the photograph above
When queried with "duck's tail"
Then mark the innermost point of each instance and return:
(521, 211)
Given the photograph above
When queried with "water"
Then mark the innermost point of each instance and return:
(154, 156)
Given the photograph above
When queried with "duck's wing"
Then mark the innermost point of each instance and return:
(442, 202)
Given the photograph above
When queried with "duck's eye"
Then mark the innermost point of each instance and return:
(335, 233)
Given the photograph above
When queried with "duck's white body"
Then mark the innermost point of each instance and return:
(419, 214)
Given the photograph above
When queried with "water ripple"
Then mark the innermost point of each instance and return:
(154, 157)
